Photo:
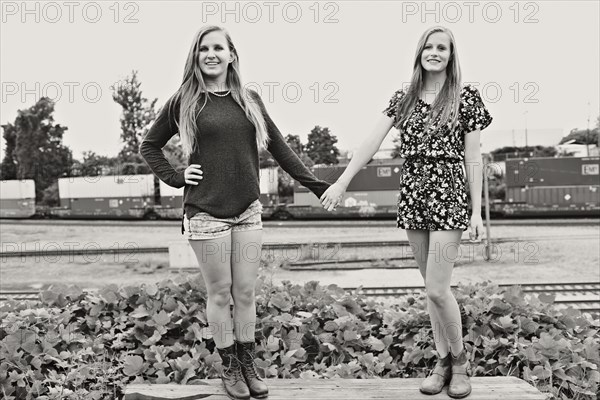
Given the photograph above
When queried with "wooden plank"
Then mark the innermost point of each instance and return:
(484, 388)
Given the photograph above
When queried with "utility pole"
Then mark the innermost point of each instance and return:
(587, 134)
(487, 159)
(526, 141)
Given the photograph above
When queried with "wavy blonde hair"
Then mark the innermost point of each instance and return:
(193, 88)
(447, 102)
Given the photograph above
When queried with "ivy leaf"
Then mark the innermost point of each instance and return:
(272, 343)
(140, 312)
(330, 326)
(151, 289)
(541, 372)
(506, 322)
(155, 338)
(161, 318)
(547, 297)
(133, 365)
(350, 335)
(376, 344)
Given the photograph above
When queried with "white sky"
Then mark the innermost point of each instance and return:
(544, 51)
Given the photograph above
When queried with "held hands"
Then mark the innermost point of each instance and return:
(476, 228)
(333, 196)
(192, 172)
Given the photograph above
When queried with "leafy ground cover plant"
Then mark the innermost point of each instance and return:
(75, 345)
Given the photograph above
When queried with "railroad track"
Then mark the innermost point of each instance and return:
(584, 296)
(133, 250)
(268, 223)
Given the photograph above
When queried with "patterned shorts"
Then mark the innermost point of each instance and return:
(204, 226)
(433, 196)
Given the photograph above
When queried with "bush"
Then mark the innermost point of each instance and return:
(75, 345)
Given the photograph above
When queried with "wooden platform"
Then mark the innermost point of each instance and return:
(484, 388)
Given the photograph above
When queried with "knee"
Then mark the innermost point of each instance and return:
(219, 294)
(437, 294)
(243, 295)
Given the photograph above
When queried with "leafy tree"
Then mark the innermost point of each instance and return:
(8, 168)
(295, 143)
(321, 146)
(286, 183)
(136, 118)
(521, 151)
(397, 143)
(582, 136)
(36, 147)
(94, 165)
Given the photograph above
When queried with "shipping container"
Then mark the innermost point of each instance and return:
(554, 195)
(553, 171)
(269, 181)
(118, 196)
(17, 198)
(171, 199)
(376, 176)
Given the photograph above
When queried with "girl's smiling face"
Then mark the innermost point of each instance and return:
(215, 56)
(436, 52)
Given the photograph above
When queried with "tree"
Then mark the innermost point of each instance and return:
(8, 168)
(95, 165)
(517, 152)
(321, 146)
(285, 182)
(582, 136)
(397, 143)
(295, 143)
(136, 118)
(35, 149)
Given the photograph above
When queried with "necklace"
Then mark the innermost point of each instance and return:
(220, 95)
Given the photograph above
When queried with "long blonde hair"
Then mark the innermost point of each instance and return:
(193, 88)
(448, 95)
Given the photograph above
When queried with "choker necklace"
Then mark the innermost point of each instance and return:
(220, 95)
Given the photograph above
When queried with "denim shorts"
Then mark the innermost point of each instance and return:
(204, 226)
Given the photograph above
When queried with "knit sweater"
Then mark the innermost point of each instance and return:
(228, 155)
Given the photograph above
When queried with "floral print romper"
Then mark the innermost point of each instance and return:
(433, 193)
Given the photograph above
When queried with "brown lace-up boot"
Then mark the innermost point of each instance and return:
(438, 378)
(232, 377)
(246, 353)
(460, 384)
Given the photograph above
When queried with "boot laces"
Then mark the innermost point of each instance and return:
(248, 362)
(233, 369)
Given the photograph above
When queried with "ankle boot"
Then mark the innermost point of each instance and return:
(246, 353)
(438, 378)
(460, 384)
(232, 377)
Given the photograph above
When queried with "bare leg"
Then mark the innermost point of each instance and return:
(419, 243)
(214, 260)
(244, 270)
(443, 251)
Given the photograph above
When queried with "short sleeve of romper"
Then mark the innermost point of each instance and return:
(472, 114)
(392, 107)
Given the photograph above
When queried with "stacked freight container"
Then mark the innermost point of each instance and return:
(171, 199)
(17, 198)
(117, 196)
(373, 192)
(553, 186)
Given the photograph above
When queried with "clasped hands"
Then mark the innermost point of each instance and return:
(333, 196)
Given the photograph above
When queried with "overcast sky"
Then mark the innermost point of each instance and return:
(332, 64)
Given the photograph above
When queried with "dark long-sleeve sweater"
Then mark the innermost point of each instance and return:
(228, 155)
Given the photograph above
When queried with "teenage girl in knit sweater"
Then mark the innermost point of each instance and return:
(222, 127)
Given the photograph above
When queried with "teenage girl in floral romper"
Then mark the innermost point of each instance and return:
(440, 121)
